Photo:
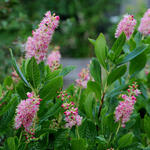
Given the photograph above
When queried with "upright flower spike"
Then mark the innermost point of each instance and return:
(26, 112)
(126, 107)
(37, 45)
(53, 60)
(126, 25)
(144, 26)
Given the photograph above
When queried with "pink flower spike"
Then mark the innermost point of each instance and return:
(144, 26)
(126, 25)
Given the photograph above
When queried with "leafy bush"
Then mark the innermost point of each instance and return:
(106, 108)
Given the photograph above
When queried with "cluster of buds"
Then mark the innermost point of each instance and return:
(126, 25)
(72, 117)
(125, 108)
(37, 45)
(15, 76)
(84, 77)
(53, 59)
(144, 27)
(26, 113)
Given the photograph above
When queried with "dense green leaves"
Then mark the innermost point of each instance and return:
(101, 49)
(78, 144)
(125, 140)
(116, 74)
(33, 72)
(147, 125)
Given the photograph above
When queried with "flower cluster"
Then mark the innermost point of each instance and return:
(53, 60)
(144, 27)
(72, 117)
(26, 112)
(84, 77)
(126, 25)
(37, 45)
(125, 107)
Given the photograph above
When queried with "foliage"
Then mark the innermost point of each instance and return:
(96, 126)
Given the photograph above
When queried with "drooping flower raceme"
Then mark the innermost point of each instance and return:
(72, 117)
(126, 25)
(144, 26)
(125, 107)
(53, 60)
(26, 112)
(37, 45)
(84, 77)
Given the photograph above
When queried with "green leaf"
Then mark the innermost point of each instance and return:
(22, 90)
(95, 70)
(11, 143)
(0, 90)
(125, 140)
(33, 72)
(87, 130)
(101, 49)
(49, 90)
(88, 105)
(138, 63)
(116, 74)
(101, 139)
(6, 107)
(67, 70)
(147, 125)
(92, 41)
(18, 70)
(137, 51)
(94, 87)
(50, 75)
(118, 45)
(78, 144)
(8, 82)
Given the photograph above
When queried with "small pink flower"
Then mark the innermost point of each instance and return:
(84, 77)
(126, 25)
(53, 60)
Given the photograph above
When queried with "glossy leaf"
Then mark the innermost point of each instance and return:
(67, 70)
(95, 70)
(137, 51)
(116, 74)
(118, 45)
(101, 49)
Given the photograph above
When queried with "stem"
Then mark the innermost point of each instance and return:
(20, 138)
(79, 94)
(100, 107)
(77, 132)
(117, 131)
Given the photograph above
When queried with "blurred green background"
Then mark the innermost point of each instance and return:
(80, 19)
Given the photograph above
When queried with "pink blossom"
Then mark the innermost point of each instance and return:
(37, 45)
(126, 25)
(26, 112)
(84, 77)
(53, 60)
(125, 108)
(144, 26)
